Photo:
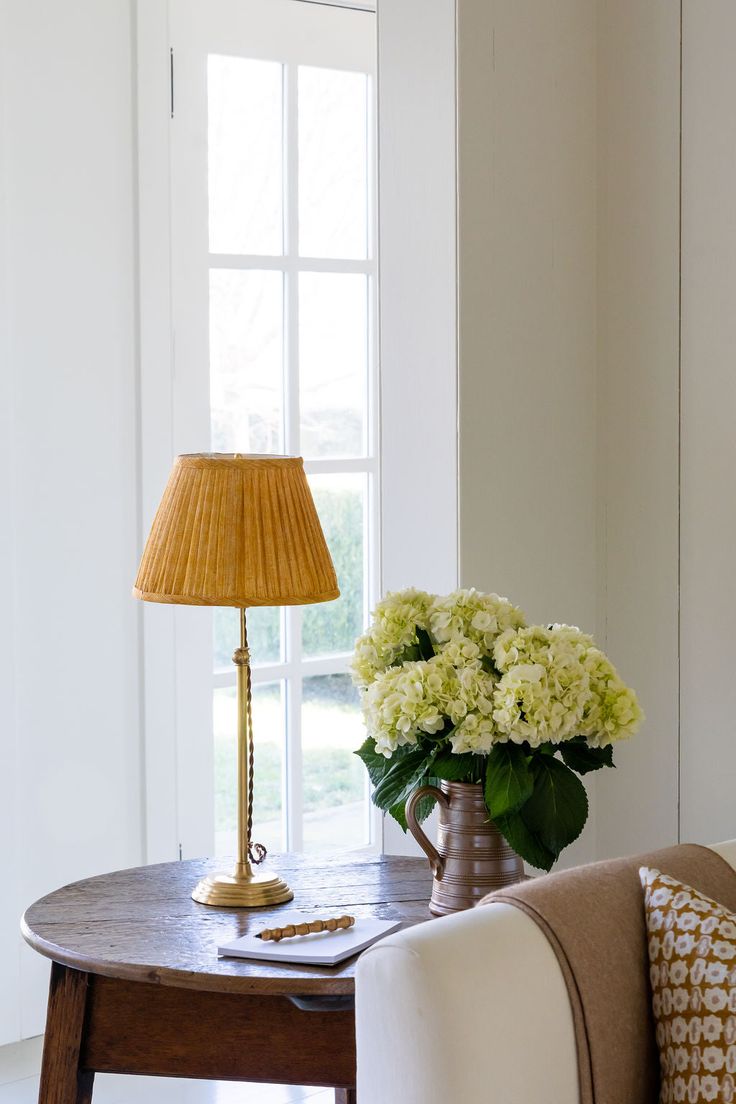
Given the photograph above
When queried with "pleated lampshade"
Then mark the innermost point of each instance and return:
(236, 530)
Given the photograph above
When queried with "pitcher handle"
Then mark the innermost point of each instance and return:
(435, 859)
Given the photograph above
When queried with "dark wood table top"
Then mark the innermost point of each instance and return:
(142, 925)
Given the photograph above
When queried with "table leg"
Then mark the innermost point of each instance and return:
(346, 1096)
(62, 1080)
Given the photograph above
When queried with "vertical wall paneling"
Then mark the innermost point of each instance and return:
(69, 323)
(156, 431)
(638, 355)
(527, 242)
(418, 339)
(10, 903)
(417, 289)
(527, 307)
(708, 525)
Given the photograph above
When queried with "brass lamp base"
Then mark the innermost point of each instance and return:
(242, 889)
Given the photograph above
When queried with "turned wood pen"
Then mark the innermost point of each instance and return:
(333, 923)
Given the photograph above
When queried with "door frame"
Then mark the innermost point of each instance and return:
(417, 328)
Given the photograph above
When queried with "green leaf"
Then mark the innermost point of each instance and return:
(398, 812)
(410, 654)
(509, 782)
(402, 778)
(424, 641)
(376, 764)
(582, 758)
(525, 842)
(457, 768)
(423, 807)
(426, 804)
(422, 648)
(557, 810)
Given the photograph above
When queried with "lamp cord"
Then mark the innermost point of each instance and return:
(256, 851)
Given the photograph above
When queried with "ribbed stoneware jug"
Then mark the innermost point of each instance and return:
(471, 857)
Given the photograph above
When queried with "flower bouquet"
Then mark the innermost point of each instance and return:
(459, 688)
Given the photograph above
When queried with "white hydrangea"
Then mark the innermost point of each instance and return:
(422, 696)
(524, 645)
(573, 634)
(544, 686)
(613, 711)
(477, 733)
(460, 652)
(393, 629)
(470, 617)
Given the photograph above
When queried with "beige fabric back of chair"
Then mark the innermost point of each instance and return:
(593, 917)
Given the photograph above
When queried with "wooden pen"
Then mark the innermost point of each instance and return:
(333, 923)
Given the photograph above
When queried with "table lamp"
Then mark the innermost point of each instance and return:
(238, 530)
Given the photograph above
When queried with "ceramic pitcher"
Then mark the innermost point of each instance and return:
(471, 857)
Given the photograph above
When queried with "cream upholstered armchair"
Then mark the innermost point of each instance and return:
(474, 1008)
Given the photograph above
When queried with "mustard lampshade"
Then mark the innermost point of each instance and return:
(236, 530)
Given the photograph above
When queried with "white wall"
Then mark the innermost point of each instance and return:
(597, 277)
(69, 433)
(667, 326)
(418, 325)
(708, 503)
(9, 946)
(527, 322)
(638, 311)
(527, 307)
(417, 251)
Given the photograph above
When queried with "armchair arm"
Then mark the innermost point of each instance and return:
(727, 851)
(471, 1007)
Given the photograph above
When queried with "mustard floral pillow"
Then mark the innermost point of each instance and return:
(692, 966)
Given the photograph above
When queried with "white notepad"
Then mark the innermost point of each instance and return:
(316, 949)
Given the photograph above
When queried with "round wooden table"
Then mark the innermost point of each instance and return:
(137, 987)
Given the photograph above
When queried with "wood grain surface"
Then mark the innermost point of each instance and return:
(64, 1080)
(161, 1030)
(142, 925)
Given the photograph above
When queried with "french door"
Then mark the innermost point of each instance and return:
(273, 258)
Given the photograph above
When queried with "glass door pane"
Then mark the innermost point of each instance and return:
(333, 363)
(245, 158)
(270, 740)
(334, 779)
(247, 360)
(331, 628)
(274, 149)
(333, 163)
(265, 637)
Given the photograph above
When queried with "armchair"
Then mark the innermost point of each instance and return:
(473, 1008)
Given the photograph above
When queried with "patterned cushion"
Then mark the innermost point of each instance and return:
(692, 956)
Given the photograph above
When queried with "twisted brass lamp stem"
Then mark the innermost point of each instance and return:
(244, 887)
(248, 852)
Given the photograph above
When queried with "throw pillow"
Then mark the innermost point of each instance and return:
(692, 957)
